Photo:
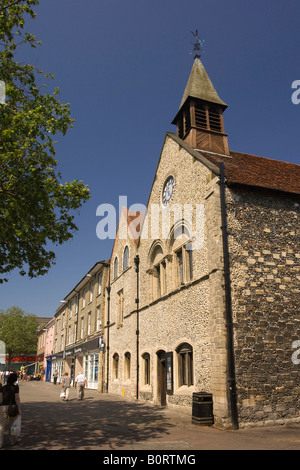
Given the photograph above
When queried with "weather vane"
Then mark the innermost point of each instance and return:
(198, 45)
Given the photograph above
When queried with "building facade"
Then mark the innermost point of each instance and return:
(208, 300)
(79, 323)
(201, 292)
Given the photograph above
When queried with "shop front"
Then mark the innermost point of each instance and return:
(70, 363)
(87, 357)
(57, 366)
(48, 368)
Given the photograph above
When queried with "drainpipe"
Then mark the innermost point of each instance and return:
(137, 301)
(231, 381)
(108, 325)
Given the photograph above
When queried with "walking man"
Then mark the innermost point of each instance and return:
(80, 383)
(66, 384)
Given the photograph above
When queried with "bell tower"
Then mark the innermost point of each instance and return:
(199, 119)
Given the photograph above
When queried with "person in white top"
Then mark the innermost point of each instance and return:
(80, 383)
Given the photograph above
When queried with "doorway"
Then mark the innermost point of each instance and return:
(161, 378)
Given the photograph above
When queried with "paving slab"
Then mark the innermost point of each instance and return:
(104, 422)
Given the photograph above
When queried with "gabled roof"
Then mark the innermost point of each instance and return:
(200, 86)
(249, 170)
(252, 170)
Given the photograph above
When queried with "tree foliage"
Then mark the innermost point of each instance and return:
(36, 209)
(18, 331)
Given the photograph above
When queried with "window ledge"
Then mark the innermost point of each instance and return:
(185, 390)
(146, 388)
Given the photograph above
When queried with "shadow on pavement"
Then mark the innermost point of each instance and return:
(88, 424)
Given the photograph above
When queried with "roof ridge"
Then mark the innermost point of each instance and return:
(261, 156)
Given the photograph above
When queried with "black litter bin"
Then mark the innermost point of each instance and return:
(202, 411)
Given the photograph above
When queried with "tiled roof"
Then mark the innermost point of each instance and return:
(251, 170)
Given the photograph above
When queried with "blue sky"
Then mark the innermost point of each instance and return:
(123, 67)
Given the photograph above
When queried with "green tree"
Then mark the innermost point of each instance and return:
(18, 331)
(37, 210)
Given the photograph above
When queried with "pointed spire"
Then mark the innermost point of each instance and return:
(199, 119)
(200, 86)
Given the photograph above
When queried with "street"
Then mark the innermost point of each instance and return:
(108, 423)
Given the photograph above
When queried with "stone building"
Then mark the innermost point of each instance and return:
(204, 288)
(79, 323)
(45, 350)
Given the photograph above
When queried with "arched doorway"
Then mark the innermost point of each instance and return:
(161, 377)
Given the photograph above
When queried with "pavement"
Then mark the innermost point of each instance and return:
(104, 422)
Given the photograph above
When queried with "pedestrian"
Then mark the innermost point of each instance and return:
(80, 383)
(65, 384)
(9, 397)
(55, 375)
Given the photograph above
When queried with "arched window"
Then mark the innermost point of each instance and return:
(182, 255)
(126, 258)
(146, 368)
(127, 365)
(116, 264)
(157, 273)
(115, 368)
(185, 365)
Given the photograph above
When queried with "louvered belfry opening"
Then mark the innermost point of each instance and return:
(184, 123)
(200, 116)
(215, 120)
(199, 120)
(201, 125)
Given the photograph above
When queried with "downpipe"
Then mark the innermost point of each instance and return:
(231, 379)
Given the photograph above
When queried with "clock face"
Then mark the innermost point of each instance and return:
(168, 190)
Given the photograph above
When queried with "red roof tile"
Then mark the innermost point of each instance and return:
(251, 170)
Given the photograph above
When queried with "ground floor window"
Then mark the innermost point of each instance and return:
(115, 368)
(58, 368)
(185, 365)
(91, 369)
(146, 368)
(127, 365)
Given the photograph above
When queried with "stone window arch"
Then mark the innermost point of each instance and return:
(182, 254)
(127, 365)
(185, 365)
(157, 271)
(146, 369)
(115, 366)
(116, 267)
(125, 258)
